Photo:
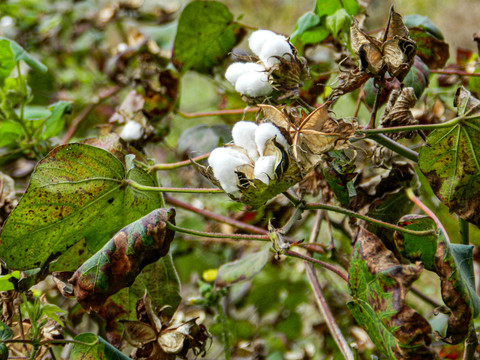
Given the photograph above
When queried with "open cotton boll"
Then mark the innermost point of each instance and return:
(132, 131)
(223, 162)
(237, 69)
(243, 134)
(258, 39)
(278, 46)
(265, 132)
(264, 169)
(254, 84)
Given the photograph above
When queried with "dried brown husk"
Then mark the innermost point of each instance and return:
(397, 112)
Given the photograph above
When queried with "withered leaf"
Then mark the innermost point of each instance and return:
(348, 81)
(118, 263)
(379, 285)
(311, 135)
(432, 50)
(451, 162)
(454, 265)
(138, 333)
(368, 49)
(397, 112)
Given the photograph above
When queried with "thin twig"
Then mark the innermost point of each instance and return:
(394, 146)
(373, 116)
(327, 314)
(216, 113)
(408, 128)
(318, 262)
(453, 72)
(141, 187)
(177, 165)
(83, 114)
(471, 344)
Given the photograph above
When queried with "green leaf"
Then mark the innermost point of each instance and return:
(309, 30)
(206, 33)
(378, 285)
(305, 22)
(7, 64)
(94, 348)
(424, 23)
(327, 7)
(19, 53)
(351, 7)
(10, 132)
(417, 248)
(56, 121)
(5, 284)
(242, 269)
(3, 352)
(337, 22)
(163, 284)
(340, 174)
(51, 310)
(417, 77)
(77, 191)
(5, 332)
(451, 161)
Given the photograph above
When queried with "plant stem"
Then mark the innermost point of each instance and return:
(373, 116)
(471, 344)
(141, 187)
(464, 231)
(368, 219)
(427, 211)
(217, 113)
(177, 165)
(394, 146)
(327, 314)
(453, 72)
(225, 331)
(395, 129)
(218, 235)
(318, 262)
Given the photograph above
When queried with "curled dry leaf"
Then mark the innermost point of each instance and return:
(453, 263)
(397, 112)
(311, 135)
(379, 285)
(348, 81)
(118, 263)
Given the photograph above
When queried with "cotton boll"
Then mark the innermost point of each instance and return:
(223, 162)
(237, 69)
(132, 131)
(243, 134)
(265, 132)
(254, 84)
(264, 169)
(278, 46)
(258, 39)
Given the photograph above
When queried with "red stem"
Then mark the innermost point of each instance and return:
(217, 113)
(318, 262)
(454, 72)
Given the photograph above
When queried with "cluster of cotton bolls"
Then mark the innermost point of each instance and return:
(252, 79)
(249, 150)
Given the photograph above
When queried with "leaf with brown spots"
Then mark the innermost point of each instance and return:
(379, 285)
(120, 261)
(451, 161)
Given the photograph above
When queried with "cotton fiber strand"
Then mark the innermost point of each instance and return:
(266, 131)
(237, 69)
(132, 131)
(223, 162)
(264, 169)
(258, 39)
(280, 47)
(243, 134)
(254, 84)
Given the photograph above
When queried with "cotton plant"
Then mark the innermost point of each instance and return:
(277, 67)
(256, 166)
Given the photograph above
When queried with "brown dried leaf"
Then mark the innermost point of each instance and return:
(138, 333)
(348, 81)
(396, 26)
(397, 111)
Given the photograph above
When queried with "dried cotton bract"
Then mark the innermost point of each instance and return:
(277, 68)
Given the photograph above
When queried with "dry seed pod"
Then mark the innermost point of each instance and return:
(118, 263)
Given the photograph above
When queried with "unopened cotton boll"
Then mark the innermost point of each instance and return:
(243, 134)
(265, 132)
(132, 131)
(258, 39)
(254, 84)
(264, 169)
(224, 162)
(237, 69)
(277, 47)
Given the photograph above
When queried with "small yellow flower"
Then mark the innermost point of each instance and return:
(210, 275)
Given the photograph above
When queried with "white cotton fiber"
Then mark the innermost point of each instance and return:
(223, 162)
(265, 132)
(278, 46)
(258, 39)
(264, 169)
(243, 134)
(237, 69)
(254, 84)
(132, 131)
